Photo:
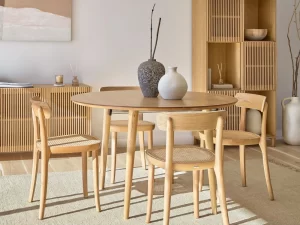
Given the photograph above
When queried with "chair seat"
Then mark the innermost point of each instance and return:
(71, 144)
(122, 126)
(184, 157)
(236, 137)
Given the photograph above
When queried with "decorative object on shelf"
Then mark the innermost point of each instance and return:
(59, 81)
(291, 121)
(150, 72)
(253, 121)
(75, 81)
(35, 20)
(291, 111)
(256, 34)
(220, 69)
(222, 86)
(209, 79)
(15, 85)
(172, 86)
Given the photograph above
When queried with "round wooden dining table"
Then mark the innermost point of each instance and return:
(134, 102)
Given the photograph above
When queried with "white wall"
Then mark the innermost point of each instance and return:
(111, 39)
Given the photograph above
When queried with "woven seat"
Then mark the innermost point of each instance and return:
(191, 155)
(237, 138)
(122, 126)
(80, 143)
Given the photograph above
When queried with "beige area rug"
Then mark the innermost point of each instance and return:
(65, 204)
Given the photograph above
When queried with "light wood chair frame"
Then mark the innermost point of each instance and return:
(114, 132)
(189, 122)
(257, 102)
(40, 112)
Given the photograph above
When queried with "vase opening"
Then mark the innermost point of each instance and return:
(172, 68)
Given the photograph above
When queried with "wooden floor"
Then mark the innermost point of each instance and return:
(15, 164)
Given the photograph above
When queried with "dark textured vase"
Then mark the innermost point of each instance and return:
(149, 74)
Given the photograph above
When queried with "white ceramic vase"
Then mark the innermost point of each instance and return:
(253, 121)
(172, 86)
(291, 121)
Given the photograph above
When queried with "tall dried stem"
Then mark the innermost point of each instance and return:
(296, 60)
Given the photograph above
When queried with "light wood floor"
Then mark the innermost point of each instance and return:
(15, 164)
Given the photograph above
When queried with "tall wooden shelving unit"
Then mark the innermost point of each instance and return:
(251, 66)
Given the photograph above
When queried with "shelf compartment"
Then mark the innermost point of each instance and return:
(232, 121)
(229, 54)
(259, 59)
(261, 14)
(225, 21)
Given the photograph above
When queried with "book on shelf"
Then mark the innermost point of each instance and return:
(222, 86)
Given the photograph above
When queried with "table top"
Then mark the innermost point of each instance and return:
(134, 100)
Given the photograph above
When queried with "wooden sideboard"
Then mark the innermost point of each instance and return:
(16, 128)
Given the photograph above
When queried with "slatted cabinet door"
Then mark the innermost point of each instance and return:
(67, 117)
(225, 21)
(232, 121)
(16, 119)
(259, 66)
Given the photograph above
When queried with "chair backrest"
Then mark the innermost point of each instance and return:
(197, 121)
(40, 112)
(171, 122)
(120, 88)
(253, 101)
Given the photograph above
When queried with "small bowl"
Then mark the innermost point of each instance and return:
(256, 34)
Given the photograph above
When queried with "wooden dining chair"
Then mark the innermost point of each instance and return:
(117, 126)
(243, 138)
(46, 146)
(188, 158)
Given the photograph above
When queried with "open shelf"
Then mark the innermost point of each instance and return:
(261, 14)
(229, 54)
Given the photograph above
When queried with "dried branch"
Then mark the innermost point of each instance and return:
(151, 31)
(295, 64)
(157, 34)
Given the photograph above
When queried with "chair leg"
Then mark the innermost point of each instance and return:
(35, 165)
(150, 139)
(221, 190)
(167, 195)
(114, 140)
(201, 179)
(263, 146)
(96, 179)
(243, 165)
(84, 174)
(213, 190)
(150, 192)
(44, 181)
(142, 148)
(196, 193)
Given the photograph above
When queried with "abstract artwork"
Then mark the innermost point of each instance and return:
(35, 20)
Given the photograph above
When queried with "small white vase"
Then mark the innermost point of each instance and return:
(253, 121)
(172, 86)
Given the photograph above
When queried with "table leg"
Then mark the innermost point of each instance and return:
(104, 148)
(131, 145)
